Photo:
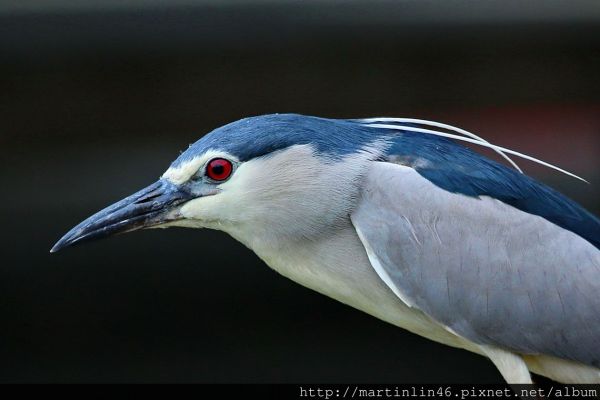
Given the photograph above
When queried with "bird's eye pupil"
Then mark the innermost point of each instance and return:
(219, 169)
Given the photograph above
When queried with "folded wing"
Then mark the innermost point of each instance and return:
(491, 272)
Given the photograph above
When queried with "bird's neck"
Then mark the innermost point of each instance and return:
(334, 264)
(302, 259)
(337, 266)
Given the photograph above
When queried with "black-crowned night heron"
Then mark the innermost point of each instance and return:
(392, 217)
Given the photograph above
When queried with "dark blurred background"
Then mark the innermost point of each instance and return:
(97, 97)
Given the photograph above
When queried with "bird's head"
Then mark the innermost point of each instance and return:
(276, 176)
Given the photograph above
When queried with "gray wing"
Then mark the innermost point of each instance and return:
(490, 272)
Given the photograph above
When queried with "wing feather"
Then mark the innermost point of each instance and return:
(490, 272)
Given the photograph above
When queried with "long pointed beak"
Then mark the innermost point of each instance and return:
(154, 205)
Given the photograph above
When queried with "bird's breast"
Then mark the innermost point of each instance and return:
(338, 267)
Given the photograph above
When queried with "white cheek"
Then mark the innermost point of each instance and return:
(199, 208)
(217, 209)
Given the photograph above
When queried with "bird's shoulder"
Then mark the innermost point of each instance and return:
(458, 169)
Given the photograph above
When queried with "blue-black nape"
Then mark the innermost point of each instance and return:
(458, 169)
(448, 164)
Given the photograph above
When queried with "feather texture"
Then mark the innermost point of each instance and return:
(490, 272)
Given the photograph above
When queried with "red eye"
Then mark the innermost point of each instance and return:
(219, 169)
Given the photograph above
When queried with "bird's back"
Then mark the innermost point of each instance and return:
(458, 169)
